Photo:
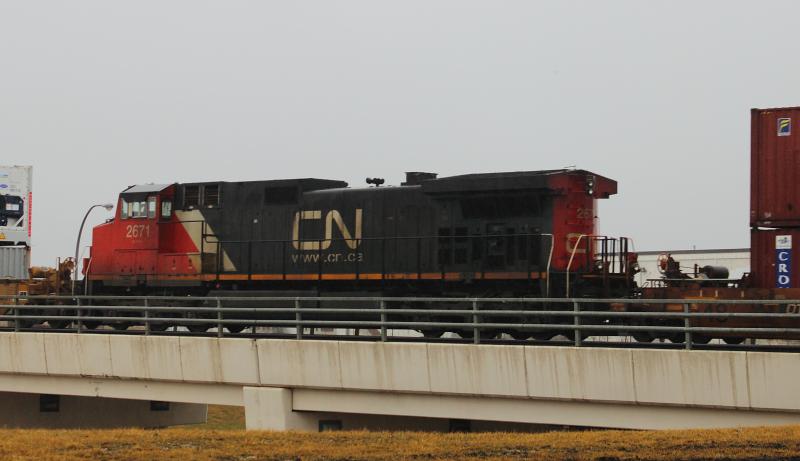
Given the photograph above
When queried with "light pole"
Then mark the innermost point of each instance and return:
(108, 207)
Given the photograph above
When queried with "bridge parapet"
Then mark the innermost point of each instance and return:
(737, 387)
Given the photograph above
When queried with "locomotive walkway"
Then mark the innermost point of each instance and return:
(290, 384)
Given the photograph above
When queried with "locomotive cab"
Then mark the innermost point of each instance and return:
(128, 246)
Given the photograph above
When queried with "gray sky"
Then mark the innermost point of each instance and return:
(98, 95)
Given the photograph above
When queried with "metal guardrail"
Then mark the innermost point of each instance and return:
(469, 316)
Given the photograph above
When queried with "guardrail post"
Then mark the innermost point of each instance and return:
(298, 318)
(687, 323)
(146, 316)
(476, 331)
(577, 323)
(16, 313)
(78, 310)
(219, 318)
(383, 320)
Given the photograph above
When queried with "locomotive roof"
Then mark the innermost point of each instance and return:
(305, 184)
(477, 182)
(504, 181)
(145, 188)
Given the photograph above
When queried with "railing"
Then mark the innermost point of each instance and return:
(477, 318)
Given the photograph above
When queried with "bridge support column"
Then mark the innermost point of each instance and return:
(271, 408)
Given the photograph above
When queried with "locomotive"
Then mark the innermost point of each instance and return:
(516, 234)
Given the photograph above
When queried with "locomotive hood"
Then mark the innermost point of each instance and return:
(554, 180)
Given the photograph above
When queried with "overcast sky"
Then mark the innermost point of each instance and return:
(98, 95)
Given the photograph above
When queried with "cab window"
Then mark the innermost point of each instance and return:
(137, 209)
(123, 209)
(166, 209)
(151, 207)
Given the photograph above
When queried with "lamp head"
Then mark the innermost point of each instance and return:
(108, 206)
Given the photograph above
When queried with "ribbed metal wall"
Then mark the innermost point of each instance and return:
(14, 263)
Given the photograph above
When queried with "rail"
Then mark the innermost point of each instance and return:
(475, 319)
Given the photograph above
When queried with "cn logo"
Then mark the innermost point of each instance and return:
(331, 218)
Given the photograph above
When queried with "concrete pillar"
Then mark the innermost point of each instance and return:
(271, 408)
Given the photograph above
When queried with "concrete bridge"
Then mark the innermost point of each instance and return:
(290, 384)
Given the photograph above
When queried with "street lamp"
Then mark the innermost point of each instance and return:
(108, 207)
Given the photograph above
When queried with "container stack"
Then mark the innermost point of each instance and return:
(775, 197)
(15, 228)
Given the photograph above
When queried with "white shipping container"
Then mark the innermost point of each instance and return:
(16, 207)
(14, 262)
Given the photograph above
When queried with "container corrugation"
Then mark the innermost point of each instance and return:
(765, 261)
(775, 167)
(14, 262)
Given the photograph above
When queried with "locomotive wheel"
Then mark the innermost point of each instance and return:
(58, 324)
(700, 339)
(120, 326)
(642, 337)
(197, 327)
(733, 340)
(159, 326)
(676, 338)
(25, 323)
(236, 327)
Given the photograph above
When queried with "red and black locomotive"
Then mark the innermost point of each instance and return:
(499, 234)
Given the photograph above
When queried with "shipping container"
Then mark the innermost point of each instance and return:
(775, 167)
(14, 262)
(16, 205)
(775, 258)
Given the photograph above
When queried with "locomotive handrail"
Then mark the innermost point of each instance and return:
(605, 239)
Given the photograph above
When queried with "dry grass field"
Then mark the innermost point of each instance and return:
(223, 417)
(222, 440)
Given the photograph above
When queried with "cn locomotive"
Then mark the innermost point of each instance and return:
(517, 234)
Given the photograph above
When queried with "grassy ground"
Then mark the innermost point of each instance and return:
(223, 417)
(221, 440)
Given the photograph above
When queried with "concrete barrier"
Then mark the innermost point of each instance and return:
(739, 382)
